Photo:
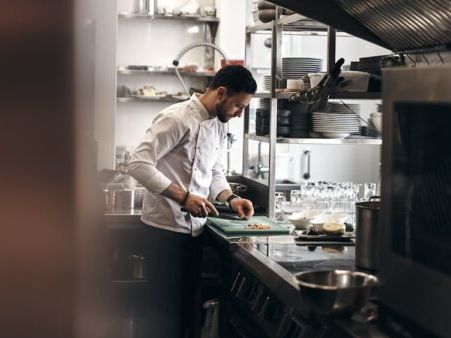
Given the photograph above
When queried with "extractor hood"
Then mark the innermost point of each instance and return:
(399, 25)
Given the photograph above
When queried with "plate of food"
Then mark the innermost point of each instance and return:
(330, 232)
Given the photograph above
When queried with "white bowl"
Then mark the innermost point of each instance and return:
(298, 221)
(301, 220)
(377, 122)
(315, 78)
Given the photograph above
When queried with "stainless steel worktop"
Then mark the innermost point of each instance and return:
(273, 260)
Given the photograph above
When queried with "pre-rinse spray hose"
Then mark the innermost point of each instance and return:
(193, 45)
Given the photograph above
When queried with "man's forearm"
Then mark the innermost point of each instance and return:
(223, 195)
(175, 193)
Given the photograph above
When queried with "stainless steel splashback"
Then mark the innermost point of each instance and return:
(399, 25)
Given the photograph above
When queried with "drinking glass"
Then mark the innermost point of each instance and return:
(296, 198)
(369, 190)
(279, 199)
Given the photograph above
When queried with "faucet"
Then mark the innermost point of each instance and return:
(260, 169)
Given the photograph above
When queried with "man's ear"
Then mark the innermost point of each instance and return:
(221, 92)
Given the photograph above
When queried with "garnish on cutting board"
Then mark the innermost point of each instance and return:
(257, 226)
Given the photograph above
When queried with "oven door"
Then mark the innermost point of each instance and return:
(416, 195)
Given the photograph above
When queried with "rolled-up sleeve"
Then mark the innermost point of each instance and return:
(219, 182)
(161, 138)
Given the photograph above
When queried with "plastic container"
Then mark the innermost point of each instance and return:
(315, 78)
(358, 81)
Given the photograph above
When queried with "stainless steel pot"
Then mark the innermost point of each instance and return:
(367, 234)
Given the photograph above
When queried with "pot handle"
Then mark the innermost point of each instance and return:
(374, 197)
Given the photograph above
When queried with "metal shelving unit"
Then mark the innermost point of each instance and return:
(339, 95)
(169, 99)
(192, 18)
(211, 23)
(289, 140)
(291, 24)
(123, 70)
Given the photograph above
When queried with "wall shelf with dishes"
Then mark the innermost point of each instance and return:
(168, 99)
(160, 70)
(292, 140)
(193, 18)
(151, 34)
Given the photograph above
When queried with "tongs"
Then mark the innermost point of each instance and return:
(317, 97)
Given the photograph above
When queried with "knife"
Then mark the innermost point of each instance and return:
(221, 216)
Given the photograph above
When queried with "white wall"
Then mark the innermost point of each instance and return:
(105, 20)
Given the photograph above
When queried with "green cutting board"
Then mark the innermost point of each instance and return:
(239, 227)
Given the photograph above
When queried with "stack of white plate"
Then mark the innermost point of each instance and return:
(335, 125)
(266, 83)
(296, 67)
(264, 104)
(341, 108)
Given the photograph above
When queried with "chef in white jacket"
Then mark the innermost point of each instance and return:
(179, 162)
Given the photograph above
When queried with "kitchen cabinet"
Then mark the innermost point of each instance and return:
(292, 24)
(139, 300)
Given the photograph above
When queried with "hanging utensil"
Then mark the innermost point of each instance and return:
(317, 97)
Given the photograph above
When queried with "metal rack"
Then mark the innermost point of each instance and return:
(169, 99)
(291, 23)
(193, 18)
(124, 70)
(211, 23)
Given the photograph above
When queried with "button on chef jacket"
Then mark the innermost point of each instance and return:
(184, 146)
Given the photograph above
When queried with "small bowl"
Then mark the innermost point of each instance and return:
(266, 15)
(335, 292)
(377, 123)
(301, 220)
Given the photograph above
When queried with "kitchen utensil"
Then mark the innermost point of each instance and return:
(335, 292)
(317, 97)
(367, 234)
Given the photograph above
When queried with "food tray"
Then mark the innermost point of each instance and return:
(346, 237)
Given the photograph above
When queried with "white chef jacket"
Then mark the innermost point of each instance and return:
(183, 146)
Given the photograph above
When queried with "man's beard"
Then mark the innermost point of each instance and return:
(221, 113)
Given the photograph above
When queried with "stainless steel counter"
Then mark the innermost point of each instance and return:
(273, 260)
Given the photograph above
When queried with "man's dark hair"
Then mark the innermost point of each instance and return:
(237, 79)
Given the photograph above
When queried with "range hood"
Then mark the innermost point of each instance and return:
(398, 25)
